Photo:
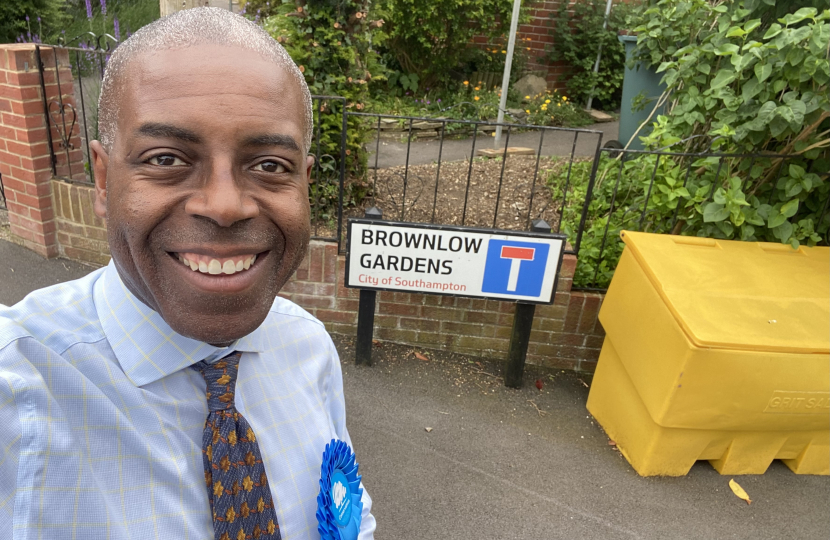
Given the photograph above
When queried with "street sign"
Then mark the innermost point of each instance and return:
(456, 261)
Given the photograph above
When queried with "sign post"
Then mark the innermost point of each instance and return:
(523, 317)
(366, 311)
(455, 261)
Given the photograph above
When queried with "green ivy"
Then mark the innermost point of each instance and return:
(578, 33)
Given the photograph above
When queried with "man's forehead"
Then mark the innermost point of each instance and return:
(204, 80)
(202, 62)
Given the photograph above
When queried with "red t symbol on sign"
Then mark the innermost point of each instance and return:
(517, 255)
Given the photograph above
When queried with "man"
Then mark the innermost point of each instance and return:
(172, 395)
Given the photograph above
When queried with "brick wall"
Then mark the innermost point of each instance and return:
(534, 40)
(82, 235)
(25, 160)
(565, 334)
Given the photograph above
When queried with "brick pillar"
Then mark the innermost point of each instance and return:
(25, 160)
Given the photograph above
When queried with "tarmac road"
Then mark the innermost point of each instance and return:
(554, 143)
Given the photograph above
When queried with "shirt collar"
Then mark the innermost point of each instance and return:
(143, 343)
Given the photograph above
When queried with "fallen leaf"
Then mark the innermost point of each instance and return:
(420, 356)
(739, 491)
(612, 443)
(539, 384)
(376, 343)
(428, 429)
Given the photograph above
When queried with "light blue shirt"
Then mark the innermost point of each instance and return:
(101, 419)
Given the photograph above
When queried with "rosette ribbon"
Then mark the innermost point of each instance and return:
(339, 506)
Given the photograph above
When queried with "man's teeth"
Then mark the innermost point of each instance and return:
(215, 267)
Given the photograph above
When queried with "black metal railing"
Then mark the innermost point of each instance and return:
(71, 106)
(662, 191)
(446, 171)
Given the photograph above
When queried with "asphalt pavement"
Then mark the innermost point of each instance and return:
(498, 463)
(554, 142)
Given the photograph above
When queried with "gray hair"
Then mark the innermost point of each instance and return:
(204, 25)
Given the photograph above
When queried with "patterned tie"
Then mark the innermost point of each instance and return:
(235, 476)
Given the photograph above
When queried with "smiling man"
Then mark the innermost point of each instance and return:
(172, 394)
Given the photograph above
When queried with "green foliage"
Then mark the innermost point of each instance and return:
(402, 83)
(13, 23)
(471, 101)
(332, 42)
(131, 15)
(432, 38)
(746, 82)
(577, 29)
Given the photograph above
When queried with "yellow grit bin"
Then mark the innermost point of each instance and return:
(716, 350)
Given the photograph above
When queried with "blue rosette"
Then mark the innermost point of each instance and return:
(339, 505)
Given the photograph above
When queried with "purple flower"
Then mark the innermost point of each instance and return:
(104, 7)
(117, 28)
(27, 18)
(88, 9)
(38, 19)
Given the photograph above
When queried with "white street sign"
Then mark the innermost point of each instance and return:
(459, 261)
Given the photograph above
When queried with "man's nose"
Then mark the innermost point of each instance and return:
(221, 197)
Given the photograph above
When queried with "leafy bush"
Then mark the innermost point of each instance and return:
(432, 38)
(750, 86)
(39, 19)
(747, 82)
(332, 42)
(577, 29)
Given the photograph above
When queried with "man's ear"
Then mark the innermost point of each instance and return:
(100, 164)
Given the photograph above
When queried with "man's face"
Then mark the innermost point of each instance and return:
(205, 190)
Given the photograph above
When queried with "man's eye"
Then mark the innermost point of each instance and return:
(166, 160)
(270, 167)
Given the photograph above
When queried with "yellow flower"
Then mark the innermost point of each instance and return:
(477, 88)
(527, 111)
(527, 97)
(466, 83)
(558, 104)
(528, 48)
(547, 101)
(564, 98)
(544, 107)
(476, 98)
(503, 51)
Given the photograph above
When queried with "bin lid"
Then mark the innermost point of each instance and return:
(740, 295)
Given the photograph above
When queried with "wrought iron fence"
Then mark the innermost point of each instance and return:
(445, 171)
(664, 192)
